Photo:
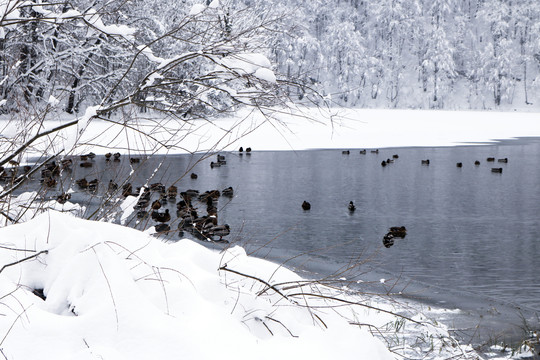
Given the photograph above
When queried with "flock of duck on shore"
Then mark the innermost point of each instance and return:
(153, 200)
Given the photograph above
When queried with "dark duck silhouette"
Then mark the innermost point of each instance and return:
(398, 231)
(127, 190)
(388, 240)
(496, 170)
(229, 192)
(425, 162)
(172, 191)
(161, 217)
(351, 206)
(505, 160)
(156, 205)
(93, 185)
(194, 176)
(306, 205)
(220, 230)
(112, 186)
(82, 183)
(162, 228)
(63, 198)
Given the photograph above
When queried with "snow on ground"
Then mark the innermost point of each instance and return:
(311, 128)
(117, 293)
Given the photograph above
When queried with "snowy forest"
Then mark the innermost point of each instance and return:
(440, 54)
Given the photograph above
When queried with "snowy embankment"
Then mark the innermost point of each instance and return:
(116, 293)
(300, 129)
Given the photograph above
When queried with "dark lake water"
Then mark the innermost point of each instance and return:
(470, 232)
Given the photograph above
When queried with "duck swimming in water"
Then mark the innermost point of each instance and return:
(351, 206)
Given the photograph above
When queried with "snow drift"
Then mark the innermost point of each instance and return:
(115, 292)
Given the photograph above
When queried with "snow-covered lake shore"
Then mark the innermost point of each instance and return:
(119, 293)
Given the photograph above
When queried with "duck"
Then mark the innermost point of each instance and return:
(161, 217)
(141, 204)
(194, 176)
(214, 194)
(229, 192)
(158, 187)
(383, 163)
(66, 164)
(398, 231)
(248, 150)
(505, 160)
(376, 151)
(220, 230)
(388, 240)
(459, 164)
(363, 152)
(306, 205)
(182, 205)
(395, 156)
(351, 206)
(425, 162)
(127, 190)
(134, 160)
(214, 164)
(141, 214)
(496, 170)
(221, 159)
(63, 198)
(116, 156)
(490, 159)
(85, 164)
(82, 183)
(172, 191)
(112, 186)
(156, 205)
(162, 228)
(477, 163)
(49, 182)
(241, 150)
(346, 152)
(108, 156)
(93, 185)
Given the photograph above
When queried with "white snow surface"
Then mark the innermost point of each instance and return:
(116, 293)
(301, 129)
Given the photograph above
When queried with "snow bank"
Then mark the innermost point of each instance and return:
(300, 129)
(115, 292)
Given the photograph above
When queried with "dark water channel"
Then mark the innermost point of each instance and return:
(472, 235)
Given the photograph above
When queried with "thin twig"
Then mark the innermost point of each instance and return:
(225, 268)
(26, 258)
